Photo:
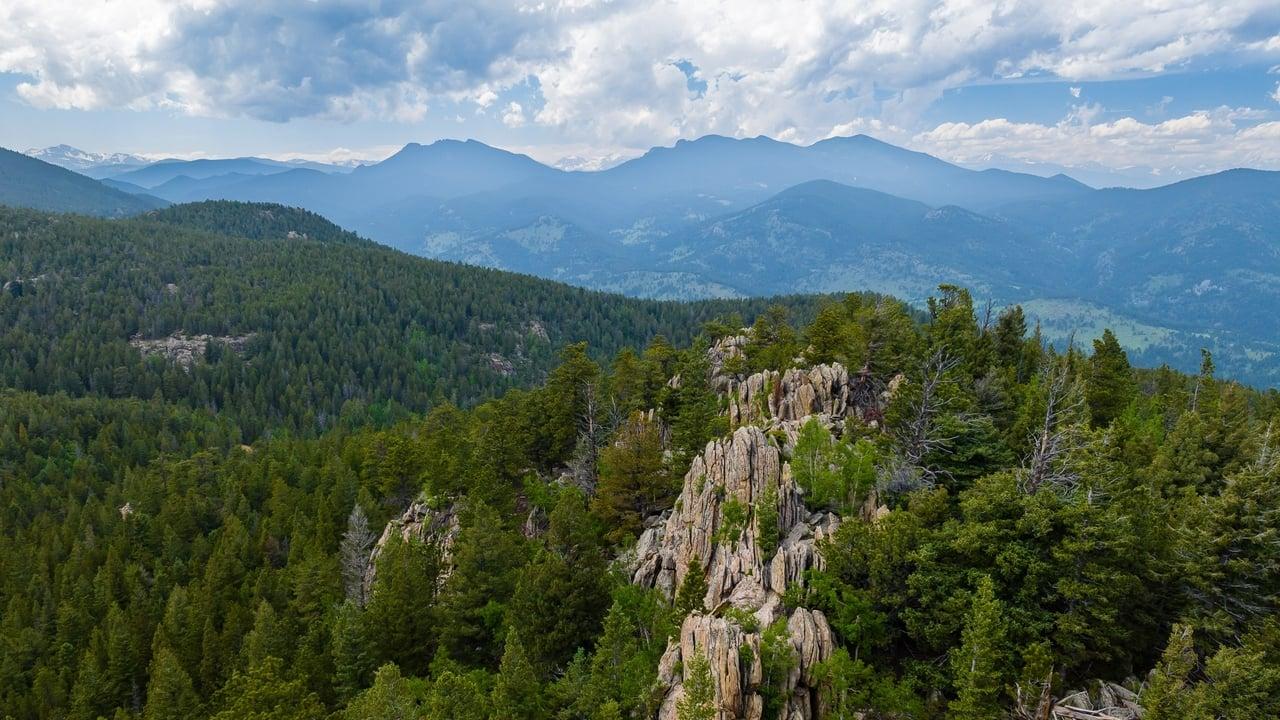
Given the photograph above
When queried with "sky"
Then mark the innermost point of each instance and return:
(1150, 90)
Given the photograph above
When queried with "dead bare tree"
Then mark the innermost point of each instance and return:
(354, 552)
(1057, 438)
(595, 426)
(923, 435)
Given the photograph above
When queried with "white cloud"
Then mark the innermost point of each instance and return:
(513, 116)
(601, 73)
(1204, 141)
(1275, 95)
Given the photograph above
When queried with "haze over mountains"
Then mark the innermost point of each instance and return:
(1171, 268)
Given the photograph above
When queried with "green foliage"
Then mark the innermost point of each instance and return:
(170, 693)
(153, 566)
(391, 697)
(399, 623)
(517, 693)
(773, 342)
(777, 659)
(264, 693)
(561, 595)
(691, 594)
(733, 520)
(336, 331)
(635, 479)
(833, 474)
(699, 699)
(473, 601)
(976, 663)
(766, 517)
(1110, 383)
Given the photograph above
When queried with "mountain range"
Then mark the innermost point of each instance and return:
(1171, 268)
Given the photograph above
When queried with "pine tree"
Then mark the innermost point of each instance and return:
(389, 698)
(400, 617)
(976, 663)
(635, 480)
(691, 595)
(1110, 386)
(832, 338)
(264, 693)
(1167, 695)
(561, 596)
(517, 693)
(170, 693)
(699, 699)
(350, 649)
(1236, 579)
(486, 558)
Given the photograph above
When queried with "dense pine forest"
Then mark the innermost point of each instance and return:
(297, 323)
(953, 519)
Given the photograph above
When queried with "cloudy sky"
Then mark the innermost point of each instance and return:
(1155, 88)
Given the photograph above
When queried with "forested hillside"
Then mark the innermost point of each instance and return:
(27, 182)
(1002, 528)
(287, 321)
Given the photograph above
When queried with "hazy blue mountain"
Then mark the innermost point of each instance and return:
(664, 191)
(822, 236)
(31, 183)
(161, 172)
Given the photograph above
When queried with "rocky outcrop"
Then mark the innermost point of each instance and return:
(718, 525)
(424, 524)
(786, 398)
(185, 350)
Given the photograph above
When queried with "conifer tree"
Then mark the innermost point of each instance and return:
(699, 699)
(170, 693)
(473, 601)
(357, 542)
(400, 617)
(1110, 386)
(691, 595)
(635, 481)
(976, 663)
(389, 698)
(517, 692)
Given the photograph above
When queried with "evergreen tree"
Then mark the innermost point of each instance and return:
(486, 557)
(976, 663)
(389, 698)
(264, 693)
(635, 481)
(517, 693)
(699, 699)
(170, 693)
(1110, 387)
(400, 618)
(561, 595)
(352, 659)
(690, 597)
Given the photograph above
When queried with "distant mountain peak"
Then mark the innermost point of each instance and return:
(73, 158)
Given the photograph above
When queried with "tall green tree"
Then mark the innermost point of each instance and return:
(1110, 387)
(977, 663)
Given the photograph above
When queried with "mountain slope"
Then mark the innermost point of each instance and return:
(288, 331)
(28, 182)
(823, 236)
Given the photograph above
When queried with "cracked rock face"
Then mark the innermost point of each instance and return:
(715, 525)
(786, 399)
(422, 523)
